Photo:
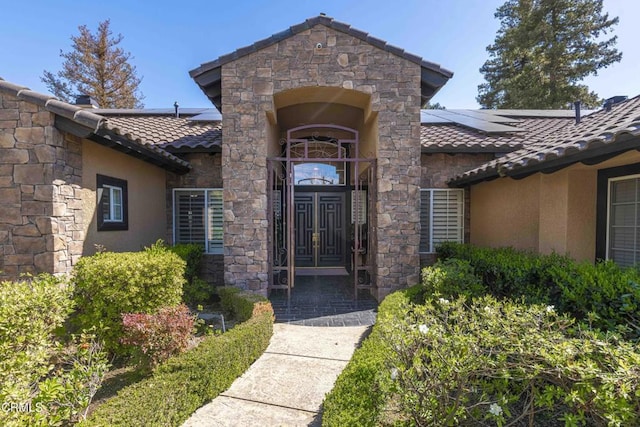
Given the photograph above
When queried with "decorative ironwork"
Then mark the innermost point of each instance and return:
(331, 146)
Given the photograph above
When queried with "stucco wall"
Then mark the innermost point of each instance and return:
(545, 213)
(248, 88)
(504, 212)
(146, 201)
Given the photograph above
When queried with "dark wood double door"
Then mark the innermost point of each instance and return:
(320, 229)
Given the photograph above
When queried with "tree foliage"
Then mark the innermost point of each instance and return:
(543, 50)
(96, 66)
(435, 106)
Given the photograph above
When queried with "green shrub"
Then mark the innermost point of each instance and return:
(42, 381)
(186, 382)
(450, 278)
(196, 290)
(30, 312)
(192, 255)
(236, 303)
(108, 284)
(507, 272)
(604, 294)
(472, 363)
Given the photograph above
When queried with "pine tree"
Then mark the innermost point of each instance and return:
(97, 67)
(543, 50)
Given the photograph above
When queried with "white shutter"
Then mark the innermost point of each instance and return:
(189, 217)
(215, 235)
(624, 221)
(441, 217)
(362, 203)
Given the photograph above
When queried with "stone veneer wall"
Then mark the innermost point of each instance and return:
(206, 173)
(437, 169)
(40, 176)
(248, 86)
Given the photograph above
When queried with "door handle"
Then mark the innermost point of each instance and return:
(315, 238)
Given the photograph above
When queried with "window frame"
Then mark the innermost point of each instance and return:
(603, 203)
(461, 229)
(107, 182)
(208, 228)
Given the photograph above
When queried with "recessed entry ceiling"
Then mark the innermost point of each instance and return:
(319, 113)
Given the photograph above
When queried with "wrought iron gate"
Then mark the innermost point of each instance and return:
(309, 143)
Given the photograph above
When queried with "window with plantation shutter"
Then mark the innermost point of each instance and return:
(623, 234)
(441, 217)
(215, 233)
(198, 217)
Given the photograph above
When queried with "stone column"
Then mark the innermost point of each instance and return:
(40, 170)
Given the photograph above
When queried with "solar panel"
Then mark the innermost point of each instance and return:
(474, 123)
(538, 113)
(426, 117)
(484, 115)
(210, 115)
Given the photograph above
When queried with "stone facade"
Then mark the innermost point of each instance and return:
(437, 169)
(40, 176)
(206, 172)
(248, 88)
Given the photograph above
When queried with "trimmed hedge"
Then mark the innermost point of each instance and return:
(361, 390)
(109, 284)
(605, 295)
(188, 381)
(236, 303)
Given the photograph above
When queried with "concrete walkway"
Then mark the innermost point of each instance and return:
(287, 384)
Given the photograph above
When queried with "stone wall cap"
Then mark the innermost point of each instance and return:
(33, 97)
(98, 124)
(10, 88)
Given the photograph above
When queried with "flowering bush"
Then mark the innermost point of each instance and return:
(156, 337)
(485, 362)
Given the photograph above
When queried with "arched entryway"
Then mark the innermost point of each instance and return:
(321, 198)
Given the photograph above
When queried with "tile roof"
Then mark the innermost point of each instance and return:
(169, 132)
(208, 76)
(455, 138)
(599, 134)
(97, 125)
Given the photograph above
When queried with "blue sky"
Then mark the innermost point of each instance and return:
(169, 38)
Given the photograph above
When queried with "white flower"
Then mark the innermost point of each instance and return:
(550, 309)
(423, 329)
(495, 409)
(394, 374)
(443, 301)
